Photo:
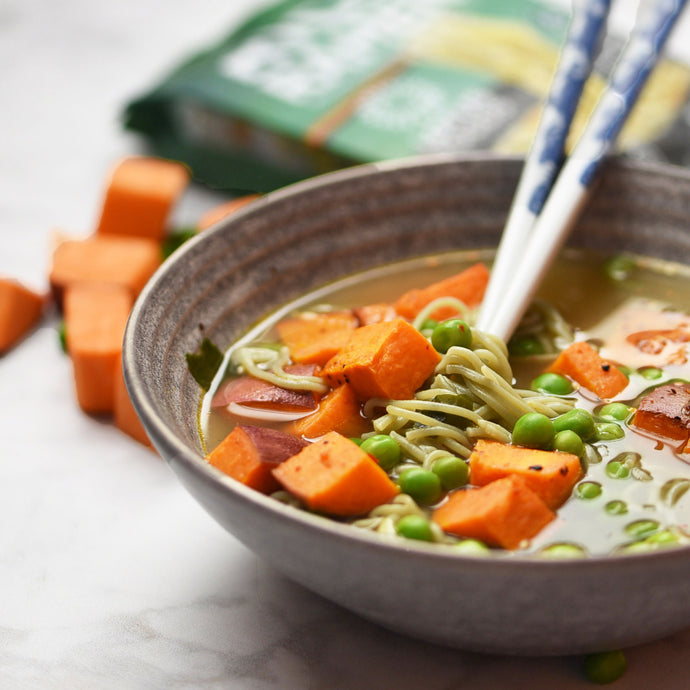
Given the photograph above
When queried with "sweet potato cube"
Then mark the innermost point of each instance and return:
(504, 513)
(585, 365)
(339, 411)
(95, 320)
(125, 261)
(250, 453)
(248, 390)
(315, 338)
(227, 208)
(20, 310)
(468, 286)
(665, 412)
(374, 313)
(140, 194)
(124, 414)
(550, 474)
(335, 476)
(390, 359)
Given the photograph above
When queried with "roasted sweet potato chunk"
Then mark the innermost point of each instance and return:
(665, 412)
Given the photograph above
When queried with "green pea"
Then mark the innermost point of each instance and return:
(617, 470)
(588, 490)
(452, 471)
(605, 667)
(384, 449)
(534, 430)
(422, 485)
(472, 547)
(619, 268)
(641, 528)
(552, 384)
(357, 441)
(616, 507)
(563, 550)
(568, 441)
(650, 373)
(525, 346)
(615, 412)
(428, 325)
(578, 420)
(666, 537)
(414, 527)
(451, 333)
(591, 455)
(609, 431)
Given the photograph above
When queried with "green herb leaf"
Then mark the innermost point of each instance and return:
(204, 363)
(175, 240)
(62, 336)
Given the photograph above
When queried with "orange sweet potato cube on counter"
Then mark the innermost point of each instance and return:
(95, 320)
(550, 474)
(335, 476)
(504, 513)
(390, 359)
(140, 194)
(468, 286)
(585, 365)
(20, 310)
(124, 261)
(124, 414)
(227, 208)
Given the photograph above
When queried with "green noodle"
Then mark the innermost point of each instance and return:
(250, 359)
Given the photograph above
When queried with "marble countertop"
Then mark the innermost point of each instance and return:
(111, 576)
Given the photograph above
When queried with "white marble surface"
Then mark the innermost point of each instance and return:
(111, 576)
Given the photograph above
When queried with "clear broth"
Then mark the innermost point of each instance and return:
(586, 296)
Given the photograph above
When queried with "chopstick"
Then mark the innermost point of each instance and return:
(539, 224)
(547, 151)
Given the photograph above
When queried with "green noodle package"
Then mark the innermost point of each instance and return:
(308, 86)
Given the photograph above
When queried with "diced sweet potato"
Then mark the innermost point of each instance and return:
(125, 261)
(585, 365)
(504, 513)
(468, 286)
(140, 194)
(124, 415)
(227, 208)
(550, 474)
(665, 412)
(339, 411)
(20, 311)
(315, 338)
(374, 313)
(247, 390)
(390, 359)
(250, 453)
(95, 320)
(335, 476)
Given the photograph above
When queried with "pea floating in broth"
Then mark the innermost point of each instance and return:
(602, 345)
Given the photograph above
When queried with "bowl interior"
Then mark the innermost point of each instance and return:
(291, 241)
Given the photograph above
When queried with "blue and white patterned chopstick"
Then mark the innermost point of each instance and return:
(570, 190)
(547, 151)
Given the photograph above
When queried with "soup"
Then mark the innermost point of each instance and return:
(464, 427)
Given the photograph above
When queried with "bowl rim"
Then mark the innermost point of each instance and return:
(170, 446)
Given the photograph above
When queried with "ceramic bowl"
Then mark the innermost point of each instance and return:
(308, 234)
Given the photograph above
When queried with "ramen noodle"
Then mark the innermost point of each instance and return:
(576, 427)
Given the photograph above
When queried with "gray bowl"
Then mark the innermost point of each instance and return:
(301, 237)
